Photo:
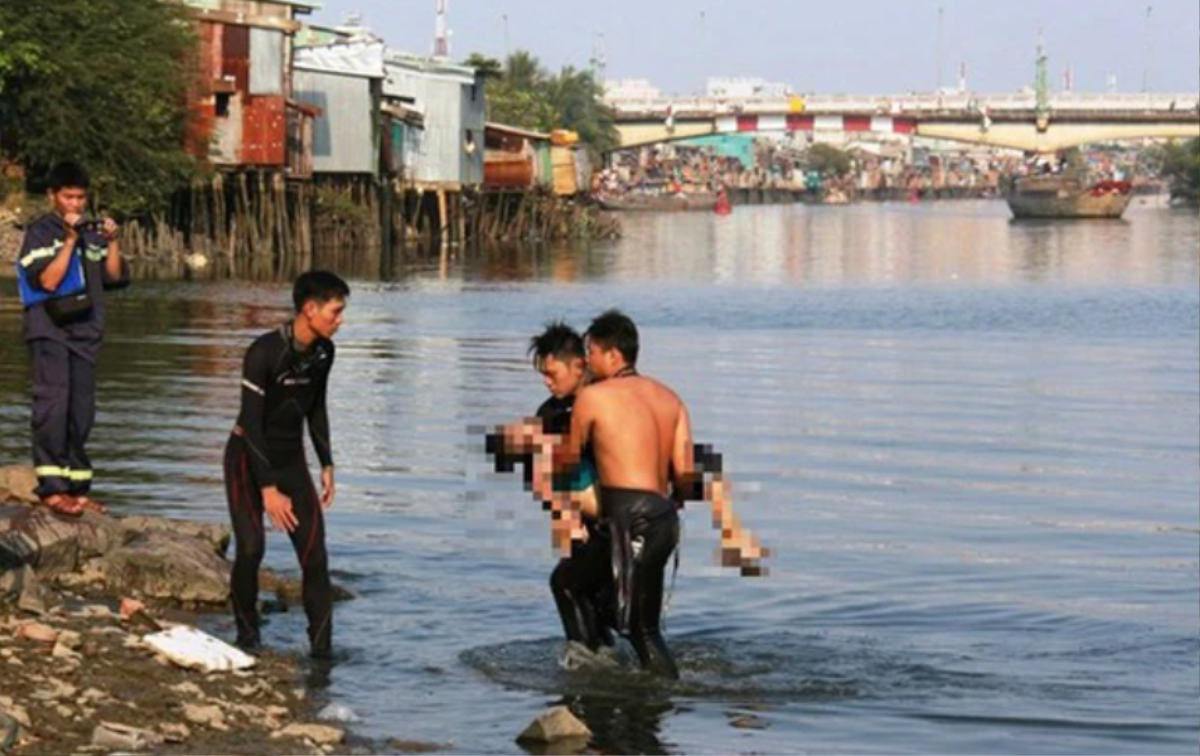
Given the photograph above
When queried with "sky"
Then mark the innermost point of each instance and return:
(831, 46)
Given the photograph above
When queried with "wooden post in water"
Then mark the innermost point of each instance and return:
(442, 226)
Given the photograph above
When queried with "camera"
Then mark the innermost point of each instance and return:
(90, 225)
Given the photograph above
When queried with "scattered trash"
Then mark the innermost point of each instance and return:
(336, 712)
(37, 632)
(195, 649)
(134, 612)
(119, 737)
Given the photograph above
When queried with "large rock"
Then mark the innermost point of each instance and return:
(16, 548)
(22, 585)
(52, 543)
(214, 534)
(17, 484)
(38, 537)
(554, 725)
(164, 565)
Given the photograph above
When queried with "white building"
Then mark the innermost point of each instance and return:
(630, 89)
(735, 87)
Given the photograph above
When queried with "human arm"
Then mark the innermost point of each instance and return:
(690, 464)
(46, 252)
(116, 270)
(318, 431)
(256, 377)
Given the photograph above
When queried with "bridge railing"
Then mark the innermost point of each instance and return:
(913, 104)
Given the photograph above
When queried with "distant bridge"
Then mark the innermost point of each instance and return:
(1008, 120)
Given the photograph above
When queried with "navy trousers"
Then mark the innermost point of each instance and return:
(64, 410)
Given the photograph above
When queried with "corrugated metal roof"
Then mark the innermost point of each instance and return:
(430, 66)
(350, 59)
(307, 5)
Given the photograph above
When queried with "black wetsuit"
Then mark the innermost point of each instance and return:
(644, 528)
(281, 389)
(582, 583)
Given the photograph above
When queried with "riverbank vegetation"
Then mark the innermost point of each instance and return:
(1181, 167)
(521, 92)
(101, 82)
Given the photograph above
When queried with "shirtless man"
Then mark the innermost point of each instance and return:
(639, 432)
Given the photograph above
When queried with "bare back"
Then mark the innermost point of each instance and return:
(634, 423)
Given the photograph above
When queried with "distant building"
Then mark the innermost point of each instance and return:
(451, 99)
(346, 82)
(630, 89)
(390, 113)
(745, 87)
(245, 114)
(516, 158)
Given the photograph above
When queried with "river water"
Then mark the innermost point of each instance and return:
(973, 444)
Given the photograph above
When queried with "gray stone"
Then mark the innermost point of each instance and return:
(175, 732)
(16, 547)
(163, 565)
(211, 716)
(38, 537)
(215, 534)
(23, 585)
(119, 737)
(317, 733)
(555, 724)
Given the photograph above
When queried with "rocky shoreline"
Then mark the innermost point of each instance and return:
(77, 596)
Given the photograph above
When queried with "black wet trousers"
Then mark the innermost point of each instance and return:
(64, 410)
(308, 539)
(583, 586)
(645, 532)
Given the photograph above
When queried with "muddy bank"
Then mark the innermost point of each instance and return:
(75, 673)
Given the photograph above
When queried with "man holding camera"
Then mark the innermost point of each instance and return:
(66, 264)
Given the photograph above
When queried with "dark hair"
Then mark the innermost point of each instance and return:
(67, 174)
(320, 285)
(559, 340)
(614, 329)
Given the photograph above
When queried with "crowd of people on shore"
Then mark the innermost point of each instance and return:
(867, 171)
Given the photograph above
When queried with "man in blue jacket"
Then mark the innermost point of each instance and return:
(65, 265)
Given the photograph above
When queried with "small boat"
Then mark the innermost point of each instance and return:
(1062, 196)
(661, 203)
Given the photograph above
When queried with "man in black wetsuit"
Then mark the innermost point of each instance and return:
(284, 383)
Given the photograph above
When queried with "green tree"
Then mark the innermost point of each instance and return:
(101, 82)
(1181, 166)
(827, 160)
(520, 92)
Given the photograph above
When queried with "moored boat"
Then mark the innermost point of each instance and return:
(1060, 196)
(662, 203)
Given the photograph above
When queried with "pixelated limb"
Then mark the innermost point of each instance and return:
(526, 442)
(739, 547)
(705, 481)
